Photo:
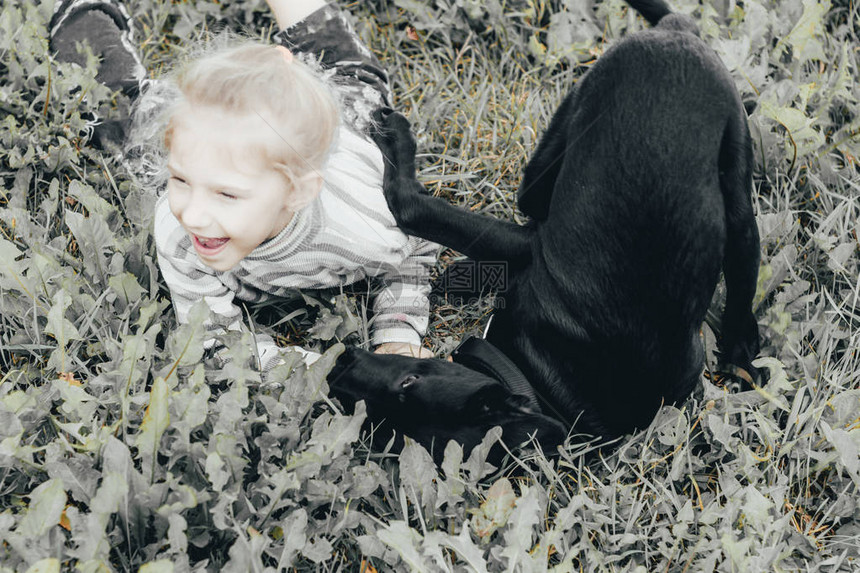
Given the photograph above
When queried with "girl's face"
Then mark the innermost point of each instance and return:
(226, 197)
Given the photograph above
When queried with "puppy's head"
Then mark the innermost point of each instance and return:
(433, 401)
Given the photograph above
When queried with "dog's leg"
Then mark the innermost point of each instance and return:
(417, 213)
(739, 342)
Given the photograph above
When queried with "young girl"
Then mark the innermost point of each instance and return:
(273, 185)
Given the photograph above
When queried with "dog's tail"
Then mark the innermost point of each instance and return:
(651, 10)
(656, 12)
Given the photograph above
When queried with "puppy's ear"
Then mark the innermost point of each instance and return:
(487, 400)
(520, 403)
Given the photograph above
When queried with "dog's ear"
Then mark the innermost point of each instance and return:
(487, 400)
(494, 399)
(520, 403)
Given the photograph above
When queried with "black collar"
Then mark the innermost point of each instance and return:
(481, 356)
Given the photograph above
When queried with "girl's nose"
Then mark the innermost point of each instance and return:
(195, 213)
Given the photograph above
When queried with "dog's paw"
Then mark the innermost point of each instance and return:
(378, 131)
(392, 133)
(747, 376)
(738, 347)
(736, 365)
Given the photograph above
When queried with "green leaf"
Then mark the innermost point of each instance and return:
(523, 519)
(155, 422)
(133, 362)
(496, 508)
(110, 494)
(12, 270)
(94, 239)
(10, 424)
(463, 546)
(185, 344)
(418, 474)
(176, 533)
(246, 552)
(189, 404)
(721, 430)
(91, 200)
(318, 550)
(332, 435)
(757, 509)
(126, 286)
(43, 512)
(477, 465)
(93, 542)
(839, 256)
(77, 403)
(403, 539)
(571, 34)
(58, 326)
(49, 565)
(847, 444)
(215, 471)
(326, 325)
(349, 322)
(450, 490)
(671, 426)
(802, 138)
(737, 550)
(424, 17)
(160, 566)
(804, 37)
(294, 528)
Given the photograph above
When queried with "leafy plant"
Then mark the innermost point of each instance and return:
(125, 446)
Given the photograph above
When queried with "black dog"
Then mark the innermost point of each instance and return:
(638, 193)
(434, 401)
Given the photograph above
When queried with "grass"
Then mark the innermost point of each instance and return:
(123, 447)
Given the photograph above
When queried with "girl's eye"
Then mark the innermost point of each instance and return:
(177, 181)
(226, 195)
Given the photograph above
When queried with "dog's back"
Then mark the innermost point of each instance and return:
(632, 237)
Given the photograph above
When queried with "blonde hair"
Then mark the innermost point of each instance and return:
(241, 78)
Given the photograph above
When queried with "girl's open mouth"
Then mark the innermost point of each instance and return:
(209, 247)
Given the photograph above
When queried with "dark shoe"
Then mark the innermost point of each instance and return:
(106, 27)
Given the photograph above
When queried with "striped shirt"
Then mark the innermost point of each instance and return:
(345, 235)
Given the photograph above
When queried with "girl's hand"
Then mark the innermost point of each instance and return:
(404, 349)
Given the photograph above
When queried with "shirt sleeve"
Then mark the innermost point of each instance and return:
(402, 308)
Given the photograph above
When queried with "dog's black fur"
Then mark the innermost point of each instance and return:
(639, 194)
(434, 401)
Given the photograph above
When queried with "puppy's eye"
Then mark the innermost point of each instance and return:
(408, 381)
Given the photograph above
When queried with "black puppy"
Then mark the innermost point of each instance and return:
(638, 193)
(433, 401)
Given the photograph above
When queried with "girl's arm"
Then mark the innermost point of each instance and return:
(289, 12)
(401, 310)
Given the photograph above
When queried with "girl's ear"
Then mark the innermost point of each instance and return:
(304, 191)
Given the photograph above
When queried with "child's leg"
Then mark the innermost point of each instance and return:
(290, 12)
(106, 27)
(327, 37)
